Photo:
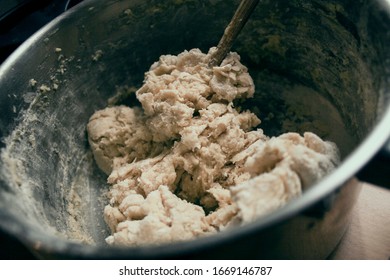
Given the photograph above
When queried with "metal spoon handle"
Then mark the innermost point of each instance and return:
(231, 32)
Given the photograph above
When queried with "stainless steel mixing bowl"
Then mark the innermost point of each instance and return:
(333, 55)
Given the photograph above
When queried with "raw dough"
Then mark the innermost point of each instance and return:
(188, 163)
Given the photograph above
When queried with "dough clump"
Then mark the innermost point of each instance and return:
(188, 163)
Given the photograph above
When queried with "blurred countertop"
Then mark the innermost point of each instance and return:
(368, 236)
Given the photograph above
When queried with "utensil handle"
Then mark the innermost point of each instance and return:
(231, 32)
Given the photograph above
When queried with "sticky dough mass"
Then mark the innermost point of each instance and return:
(188, 163)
